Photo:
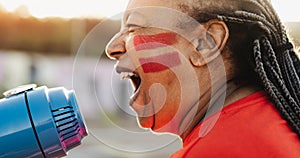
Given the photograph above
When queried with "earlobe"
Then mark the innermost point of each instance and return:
(210, 43)
(196, 59)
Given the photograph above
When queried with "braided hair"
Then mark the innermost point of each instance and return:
(260, 45)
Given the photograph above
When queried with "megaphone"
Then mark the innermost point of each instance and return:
(39, 122)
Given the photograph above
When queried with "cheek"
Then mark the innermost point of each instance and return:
(166, 117)
(144, 42)
(147, 48)
(160, 63)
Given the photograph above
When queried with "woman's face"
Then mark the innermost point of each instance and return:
(155, 57)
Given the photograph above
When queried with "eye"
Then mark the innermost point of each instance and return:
(133, 27)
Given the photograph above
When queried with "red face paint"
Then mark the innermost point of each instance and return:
(160, 63)
(143, 42)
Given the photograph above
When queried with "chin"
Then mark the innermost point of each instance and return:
(166, 128)
(146, 123)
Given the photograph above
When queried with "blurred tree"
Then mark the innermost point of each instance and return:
(51, 35)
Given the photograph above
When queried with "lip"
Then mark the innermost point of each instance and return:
(120, 69)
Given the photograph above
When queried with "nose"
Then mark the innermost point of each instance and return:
(116, 47)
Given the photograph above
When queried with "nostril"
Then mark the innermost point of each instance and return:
(114, 50)
(115, 55)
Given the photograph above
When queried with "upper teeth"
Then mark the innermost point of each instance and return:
(126, 75)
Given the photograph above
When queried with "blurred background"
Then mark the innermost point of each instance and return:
(42, 42)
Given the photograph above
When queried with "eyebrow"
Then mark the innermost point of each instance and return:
(131, 13)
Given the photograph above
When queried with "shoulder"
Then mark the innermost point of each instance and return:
(250, 127)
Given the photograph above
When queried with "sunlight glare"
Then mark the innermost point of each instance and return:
(287, 9)
(67, 9)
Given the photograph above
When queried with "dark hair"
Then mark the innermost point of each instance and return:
(260, 46)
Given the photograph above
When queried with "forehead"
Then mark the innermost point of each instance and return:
(162, 18)
(134, 11)
(172, 13)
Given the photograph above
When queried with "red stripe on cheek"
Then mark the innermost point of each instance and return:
(154, 41)
(160, 63)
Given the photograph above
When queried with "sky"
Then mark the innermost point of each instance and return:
(288, 10)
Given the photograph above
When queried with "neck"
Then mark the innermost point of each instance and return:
(234, 92)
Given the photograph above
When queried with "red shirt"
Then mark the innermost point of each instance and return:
(248, 128)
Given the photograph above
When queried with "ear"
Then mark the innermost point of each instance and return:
(210, 43)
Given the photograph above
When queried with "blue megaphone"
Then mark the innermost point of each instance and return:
(39, 122)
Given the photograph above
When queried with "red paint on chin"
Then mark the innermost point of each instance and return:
(143, 42)
(146, 122)
(160, 63)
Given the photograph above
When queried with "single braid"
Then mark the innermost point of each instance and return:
(271, 55)
(293, 79)
(263, 9)
(242, 21)
(296, 62)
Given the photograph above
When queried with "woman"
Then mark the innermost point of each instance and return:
(175, 73)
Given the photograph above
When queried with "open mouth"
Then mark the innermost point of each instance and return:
(134, 78)
(143, 112)
(136, 82)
